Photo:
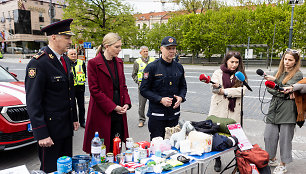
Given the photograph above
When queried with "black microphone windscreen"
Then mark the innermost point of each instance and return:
(260, 72)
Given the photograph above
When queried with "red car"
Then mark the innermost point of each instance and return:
(15, 127)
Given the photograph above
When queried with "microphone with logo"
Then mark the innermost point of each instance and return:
(206, 79)
(273, 85)
(261, 72)
(239, 75)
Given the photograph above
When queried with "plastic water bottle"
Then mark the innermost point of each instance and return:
(96, 145)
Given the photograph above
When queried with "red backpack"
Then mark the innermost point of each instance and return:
(255, 155)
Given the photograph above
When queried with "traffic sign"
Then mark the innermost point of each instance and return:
(87, 44)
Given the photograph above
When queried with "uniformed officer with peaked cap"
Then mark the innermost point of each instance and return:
(165, 86)
(50, 98)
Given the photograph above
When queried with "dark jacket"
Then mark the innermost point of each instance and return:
(101, 102)
(50, 96)
(163, 79)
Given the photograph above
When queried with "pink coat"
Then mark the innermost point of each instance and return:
(101, 101)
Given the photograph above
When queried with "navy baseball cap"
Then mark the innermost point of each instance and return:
(168, 41)
(60, 28)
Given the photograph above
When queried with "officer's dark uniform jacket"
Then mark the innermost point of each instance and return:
(163, 79)
(50, 96)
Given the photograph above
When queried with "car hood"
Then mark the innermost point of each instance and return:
(12, 93)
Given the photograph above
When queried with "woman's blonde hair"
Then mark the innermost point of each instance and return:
(109, 39)
(296, 67)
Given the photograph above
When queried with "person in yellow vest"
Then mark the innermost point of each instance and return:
(139, 65)
(78, 69)
(1, 56)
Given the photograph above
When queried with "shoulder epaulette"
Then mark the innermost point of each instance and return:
(40, 53)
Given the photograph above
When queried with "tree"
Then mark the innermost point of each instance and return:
(95, 18)
(193, 5)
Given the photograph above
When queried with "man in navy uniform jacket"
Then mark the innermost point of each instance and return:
(164, 85)
(50, 97)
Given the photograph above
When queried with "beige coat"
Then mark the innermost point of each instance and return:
(219, 104)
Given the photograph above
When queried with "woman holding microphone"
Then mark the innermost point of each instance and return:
(281, 117)
(226, 98)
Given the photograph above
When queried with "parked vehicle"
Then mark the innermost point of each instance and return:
(15, 126)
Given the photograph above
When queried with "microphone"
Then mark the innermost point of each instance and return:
(205, 79)
(261, 72)
(273, 85)
(241, 78)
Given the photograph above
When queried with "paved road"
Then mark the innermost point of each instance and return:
(198, 95)
(195, 109)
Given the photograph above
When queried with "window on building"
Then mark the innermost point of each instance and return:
(22, 22)
(41, 18)
(144, 26)
(138, 26)
(41, 3)
(37, 32)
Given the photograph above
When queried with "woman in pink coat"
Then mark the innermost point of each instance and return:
(109, 98)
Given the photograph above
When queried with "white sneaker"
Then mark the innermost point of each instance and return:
(273, 163)
(280, 170)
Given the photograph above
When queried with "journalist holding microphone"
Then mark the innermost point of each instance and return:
(226, 89)
(281, 117)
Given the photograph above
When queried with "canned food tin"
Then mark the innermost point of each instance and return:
(80, 163)
(110, 157)
(120, 158)
(128, 156)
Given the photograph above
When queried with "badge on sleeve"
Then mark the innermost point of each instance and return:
(146, 75)
(32, 72)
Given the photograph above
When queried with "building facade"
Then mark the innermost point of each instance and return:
(21, 21)
(149, 19)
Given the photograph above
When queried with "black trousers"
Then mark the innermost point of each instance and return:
(79, 95)
(157, 127)
(116, 128)
(48, 155)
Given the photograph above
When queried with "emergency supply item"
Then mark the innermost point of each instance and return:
(256, 155)
(171, 130)
(221, 142)
(176, 138)
(206, 126)
(116, 145)
(78, 73)
(142, 66)
(200, 142)
(223, 123)
(189, 127)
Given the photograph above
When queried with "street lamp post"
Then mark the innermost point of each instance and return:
(291, 24)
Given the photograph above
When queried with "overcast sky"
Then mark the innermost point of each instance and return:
(147, 6)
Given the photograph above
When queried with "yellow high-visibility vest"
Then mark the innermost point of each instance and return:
(142, 66)
(79, 74)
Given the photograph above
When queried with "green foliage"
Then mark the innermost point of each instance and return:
(95, 18)
(210, 32)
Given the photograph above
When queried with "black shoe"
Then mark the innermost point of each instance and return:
(217, 166)
(82, 125)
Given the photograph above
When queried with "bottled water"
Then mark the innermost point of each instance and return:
(96, 145)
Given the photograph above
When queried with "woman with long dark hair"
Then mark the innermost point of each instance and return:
(109, 98)
(226, 98)
(281, 117)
